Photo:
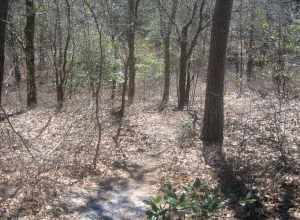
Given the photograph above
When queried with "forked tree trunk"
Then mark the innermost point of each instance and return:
(213, 123)
(186, 51)
(29, 50)
(3, 17)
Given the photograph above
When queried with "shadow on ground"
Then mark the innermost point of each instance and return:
(115, 198)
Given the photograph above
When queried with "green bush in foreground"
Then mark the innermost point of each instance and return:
(195, 201)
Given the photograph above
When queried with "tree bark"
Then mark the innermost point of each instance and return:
(114, 82)
(3, 17)
(122, 110)
(166, 30)
(186, 51)
(167, 71)
(131, 48)
(29, 50)
(213, 123)
(250, 52)
(182, 69)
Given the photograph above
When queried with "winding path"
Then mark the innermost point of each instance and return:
(121, 198)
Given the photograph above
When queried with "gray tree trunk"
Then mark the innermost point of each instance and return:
(213, 123)
(3, 17)
(29, 50)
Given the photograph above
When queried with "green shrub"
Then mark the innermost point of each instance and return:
(195, 201)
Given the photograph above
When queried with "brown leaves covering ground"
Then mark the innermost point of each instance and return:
(261, 141)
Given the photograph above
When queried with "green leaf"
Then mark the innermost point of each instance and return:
(172, 201)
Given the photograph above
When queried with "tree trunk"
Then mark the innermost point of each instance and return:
(122, 110)
(182, 70)
(213, 123)
(166, 92)
(29, 38)
(131, 48)
(188, 85)
(41, 50)
(60, 97)
(17, 72)
(114, 82)
(241, 50)
(3, 17)
(113, 90)
(250, 63)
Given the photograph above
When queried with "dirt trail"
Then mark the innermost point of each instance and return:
(123, 198)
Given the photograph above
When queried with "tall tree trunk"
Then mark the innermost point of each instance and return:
(188, 85)
(213, 123)
(42, 38)
(250, 52)
(241, 50)
(131, 47)
(166, 92)
(29, 50)
(166, 24)
(122, 110)
(41, 50)
(16, 65)
(250, 62)
(60, 96)
(182, 69)
(3, 17)
(114, 82)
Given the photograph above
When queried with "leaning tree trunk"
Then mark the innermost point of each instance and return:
(29, 50)
(3, 17)
(213, 123)
(131, 56)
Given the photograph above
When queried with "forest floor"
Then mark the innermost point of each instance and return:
(57, 181)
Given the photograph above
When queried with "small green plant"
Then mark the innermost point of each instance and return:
(195, 201)
(248, 200)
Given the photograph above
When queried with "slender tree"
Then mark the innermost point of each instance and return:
(132, 17)
(29, 50)
(3, 17)
(213, 123)
(166, 24)
(251, 42)
(61, 61)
